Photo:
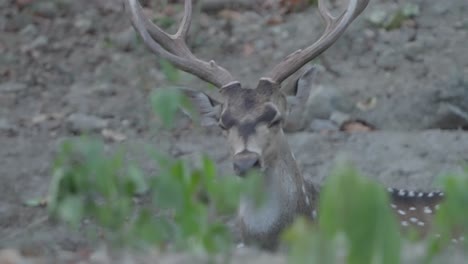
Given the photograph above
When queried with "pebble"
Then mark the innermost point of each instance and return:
(80, 123)
(12, 87)
(84, 25)
(37, 43)
(7, 127)
(47, 9)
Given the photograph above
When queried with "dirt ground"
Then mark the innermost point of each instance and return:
(69, 66)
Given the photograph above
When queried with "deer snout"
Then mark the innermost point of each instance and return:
(246, 161)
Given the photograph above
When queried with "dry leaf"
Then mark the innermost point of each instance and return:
(357, 126)
(275, 20)
(367, 104)
(230, 14)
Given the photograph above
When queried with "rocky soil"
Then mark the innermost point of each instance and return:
(69, 67)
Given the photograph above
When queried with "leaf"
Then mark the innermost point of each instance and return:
(71, 210)
(171, 72)
(136, 182)
(165, 104)
(37, 202)
(355, 206)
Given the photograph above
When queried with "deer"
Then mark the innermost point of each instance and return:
(252, 121)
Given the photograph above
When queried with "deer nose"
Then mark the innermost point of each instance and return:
(245, 161)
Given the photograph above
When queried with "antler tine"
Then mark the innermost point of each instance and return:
(335, 26)
(173, 47)
(185, 25)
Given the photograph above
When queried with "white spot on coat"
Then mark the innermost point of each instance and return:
(427, 210)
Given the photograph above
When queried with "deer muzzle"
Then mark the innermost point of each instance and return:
(246, 161)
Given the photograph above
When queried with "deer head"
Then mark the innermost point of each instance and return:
(252, 119)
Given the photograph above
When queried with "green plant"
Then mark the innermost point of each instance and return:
(185, 204)
(354, 221)
(452, 217)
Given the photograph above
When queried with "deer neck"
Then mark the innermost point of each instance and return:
(286, 196)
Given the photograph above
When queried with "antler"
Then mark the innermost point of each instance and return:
(173, 47)
(335, 26)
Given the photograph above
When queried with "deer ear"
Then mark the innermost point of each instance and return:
(204, 106)
(297, 92)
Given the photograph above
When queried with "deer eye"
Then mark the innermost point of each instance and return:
(226, 121)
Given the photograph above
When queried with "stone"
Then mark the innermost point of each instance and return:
(29, 31)
(7, 128)
(37, 43)
(389, 59)
(324, 101)
(12, 87)
(84, 25)
(47, 9)
(80, 123)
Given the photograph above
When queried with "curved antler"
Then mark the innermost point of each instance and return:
(335, 26)
(173, 47)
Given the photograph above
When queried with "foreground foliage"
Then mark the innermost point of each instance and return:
(183, 206)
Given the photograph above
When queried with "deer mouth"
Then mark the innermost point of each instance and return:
(246, 163)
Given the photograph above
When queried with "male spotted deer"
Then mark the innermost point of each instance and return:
(252, 121)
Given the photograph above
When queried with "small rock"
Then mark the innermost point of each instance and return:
(18, 21)
(324, 101)
(126, 40)
(84, 25)
(377, 17)
(441, 7)
(413, 50)
(102, 89)
(12, 87)
(47, 9)
(113, 135)
(79, 123)
(339, 118)
(7, 128)
(449, 116)
(29, 31)
(37, 43)
(389, 59)
(411, 10)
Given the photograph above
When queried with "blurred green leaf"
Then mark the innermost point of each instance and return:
(166, 103)
(71, 210)
(346, 201)
(170, 71)
(136, 183)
